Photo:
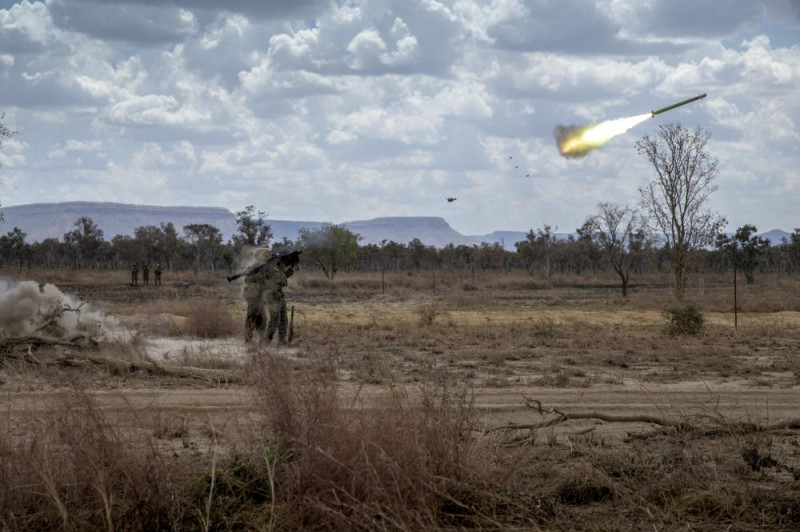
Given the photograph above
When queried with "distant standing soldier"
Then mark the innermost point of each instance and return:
(157, 271)
(145, 274)
(135, 274)
(276, 300)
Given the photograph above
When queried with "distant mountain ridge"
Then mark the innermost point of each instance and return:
(51, 220)
(775, 236)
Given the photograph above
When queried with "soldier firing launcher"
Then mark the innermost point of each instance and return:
(289, 259)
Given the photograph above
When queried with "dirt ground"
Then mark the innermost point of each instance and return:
(583, 412)
(571, 349)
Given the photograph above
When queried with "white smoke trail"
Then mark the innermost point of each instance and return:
(578, 141)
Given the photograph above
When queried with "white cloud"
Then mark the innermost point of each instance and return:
(155, 109)
(406, 46)
(263, 81)
(153, 156)
(389, 106)
(365, 49)
(63, 150)
(294, 51)
(13, 154)
(25, 28)
(141, 24)
(337, 136)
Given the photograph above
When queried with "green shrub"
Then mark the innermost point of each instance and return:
(684, 319)
(428, 314)
(545, 327)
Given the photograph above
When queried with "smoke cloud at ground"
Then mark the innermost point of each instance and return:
(26, 308)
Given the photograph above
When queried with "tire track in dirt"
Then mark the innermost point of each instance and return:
(494, 405)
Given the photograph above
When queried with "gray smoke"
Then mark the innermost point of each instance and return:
(27, 308)
(564, 134)
(251, 255)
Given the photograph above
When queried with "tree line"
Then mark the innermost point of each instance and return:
(613, 240)
(670, 229)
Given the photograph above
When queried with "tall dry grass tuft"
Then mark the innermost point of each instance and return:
(70, 469)
(345, 465)
(210, 321)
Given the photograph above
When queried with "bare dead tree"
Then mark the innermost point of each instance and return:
(676, 197)
(5, 133)
(620, 232)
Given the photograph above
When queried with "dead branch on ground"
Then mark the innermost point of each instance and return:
(667, 426)
(21, 349)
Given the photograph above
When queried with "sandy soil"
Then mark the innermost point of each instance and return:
(660, 385)
(495, 406)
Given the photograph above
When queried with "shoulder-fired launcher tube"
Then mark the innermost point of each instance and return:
(673, 106)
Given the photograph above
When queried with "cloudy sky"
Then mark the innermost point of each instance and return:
(342, 110)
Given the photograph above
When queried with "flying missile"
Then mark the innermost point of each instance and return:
(673, 106)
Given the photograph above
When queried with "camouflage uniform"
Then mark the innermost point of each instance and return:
(146, 275)
(276, 301)
(157, 271)
(135, 275)
(256, 287)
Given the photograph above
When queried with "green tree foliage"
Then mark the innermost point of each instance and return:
(13, 249)
(416, 252)
(169, 244)
(148, 239)
(331, 247)
(49, 252)
(620, 232)
(489, 256)
(537, 248)
(793, 249)
(589, 254)
(252, 227)
(392, 254)
(85, 243)
(744, 249)
(676, 197)
(204, 242)
(125, 249)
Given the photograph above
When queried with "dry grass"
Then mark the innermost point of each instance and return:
(368, 423)
(70, 468)
(382, 462)
(209, 321)
(326, 457)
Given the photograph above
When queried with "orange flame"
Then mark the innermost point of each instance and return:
(577, 141)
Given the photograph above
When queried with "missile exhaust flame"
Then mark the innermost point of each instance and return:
(577, 141)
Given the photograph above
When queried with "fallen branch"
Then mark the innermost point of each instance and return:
(39, 340)
(666, 425)
(610, 418)
(22, 349)
(116, 366)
